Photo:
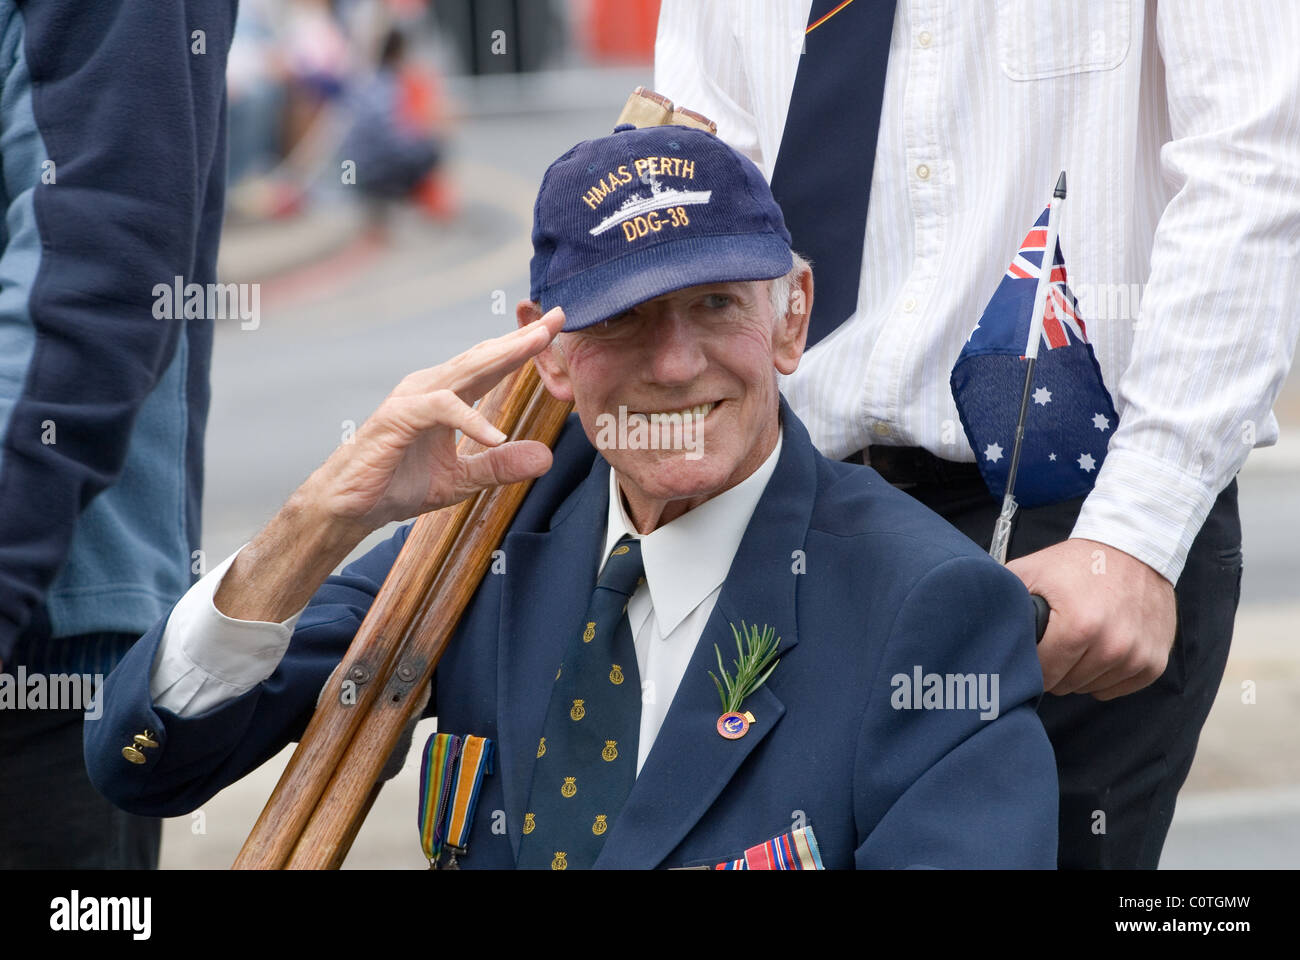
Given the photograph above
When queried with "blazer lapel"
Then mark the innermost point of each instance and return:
(691, 763)
(549, 581)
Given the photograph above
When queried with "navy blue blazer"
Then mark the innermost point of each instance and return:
(862, 584)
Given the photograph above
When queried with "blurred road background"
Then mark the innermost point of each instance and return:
(357, 293)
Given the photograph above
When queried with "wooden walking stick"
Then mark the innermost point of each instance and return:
(326, 790)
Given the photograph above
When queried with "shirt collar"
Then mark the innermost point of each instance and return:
(688, 558)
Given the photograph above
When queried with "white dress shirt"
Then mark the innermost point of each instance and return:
(206, 658)
(685, 563)
(1179, 127)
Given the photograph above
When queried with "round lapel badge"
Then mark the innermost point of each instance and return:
(733, 725)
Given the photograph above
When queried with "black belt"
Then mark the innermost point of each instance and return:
(916, 465)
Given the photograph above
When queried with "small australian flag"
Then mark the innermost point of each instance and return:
(1070, 416)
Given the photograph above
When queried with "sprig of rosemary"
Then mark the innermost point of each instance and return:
(751, 664)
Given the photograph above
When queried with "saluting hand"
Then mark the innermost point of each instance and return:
(403, 460)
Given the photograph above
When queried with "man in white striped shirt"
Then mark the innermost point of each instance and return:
(1179, 128)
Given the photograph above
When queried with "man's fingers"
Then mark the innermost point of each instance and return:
(1057, 653)
(1124, 688)
(1110, 663)
(477, 427)
(474, 372)
(508, 463)
(1125, 677)
(474, 376)
(1107, 679)
(1085, 672)
(443, 409)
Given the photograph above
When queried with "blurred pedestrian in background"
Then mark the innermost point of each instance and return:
(319, 60)
(256, 82)
(315, 85)
(393, 140)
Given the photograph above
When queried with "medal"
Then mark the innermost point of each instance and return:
(451, 775)
(734, 725)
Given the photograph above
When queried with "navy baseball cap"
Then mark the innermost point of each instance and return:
(645, 211)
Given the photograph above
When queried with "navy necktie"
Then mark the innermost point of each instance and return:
(822, 175)
(586, 756)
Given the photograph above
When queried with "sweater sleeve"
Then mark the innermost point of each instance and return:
(110, 118)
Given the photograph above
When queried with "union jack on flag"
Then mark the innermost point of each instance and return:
(1071, 418)
(1062, 310)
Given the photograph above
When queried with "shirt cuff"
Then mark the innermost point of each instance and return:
(1146, 507)
(206, 658)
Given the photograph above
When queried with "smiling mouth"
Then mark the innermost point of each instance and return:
(697, 412)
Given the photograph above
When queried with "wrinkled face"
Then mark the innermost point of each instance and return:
(709, 354)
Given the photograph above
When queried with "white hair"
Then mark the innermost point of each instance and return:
(780, 288)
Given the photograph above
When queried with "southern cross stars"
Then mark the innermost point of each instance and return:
(1100, 422)
(1042, 396)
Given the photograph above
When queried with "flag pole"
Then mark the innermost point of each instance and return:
(1002, 529)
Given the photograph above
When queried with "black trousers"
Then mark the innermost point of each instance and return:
(51, 817)
(1122, 762)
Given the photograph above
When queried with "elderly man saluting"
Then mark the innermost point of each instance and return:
(897, 727)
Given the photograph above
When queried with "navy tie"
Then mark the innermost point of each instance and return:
(822, 175)
(586, 755)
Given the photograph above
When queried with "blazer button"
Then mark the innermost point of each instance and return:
(142, 741)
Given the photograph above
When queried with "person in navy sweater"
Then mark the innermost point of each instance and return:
(112, 142)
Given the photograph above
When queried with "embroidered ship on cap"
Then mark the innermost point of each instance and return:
(660, 199)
